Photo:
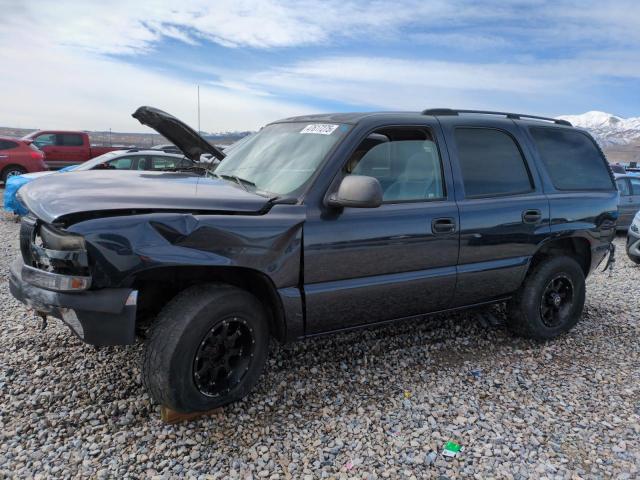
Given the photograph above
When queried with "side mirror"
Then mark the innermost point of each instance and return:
(357, 191)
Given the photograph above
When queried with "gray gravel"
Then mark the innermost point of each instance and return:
(372, 404)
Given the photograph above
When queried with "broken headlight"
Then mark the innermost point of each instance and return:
(54, 239)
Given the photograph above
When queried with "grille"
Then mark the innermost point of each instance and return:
(27, 229)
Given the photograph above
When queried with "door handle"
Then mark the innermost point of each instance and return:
(443, 225)
(531, 216)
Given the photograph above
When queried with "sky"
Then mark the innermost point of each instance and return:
(87, 65)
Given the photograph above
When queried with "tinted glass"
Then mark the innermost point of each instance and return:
(7, 144)
(491, 163)
(572, 159)
(406, 169)
(635, 185)
(70, 140)
(45, 139)
(143, 163)
(161, 163)
(122, 163)
(623, 186)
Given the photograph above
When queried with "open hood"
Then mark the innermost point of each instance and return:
(179, 133)
(98, 191)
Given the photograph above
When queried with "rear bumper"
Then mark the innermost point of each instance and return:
(98, 317)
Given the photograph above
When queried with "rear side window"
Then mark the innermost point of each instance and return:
(572, 159)
(122, 163)
(70, 140)
(623, 187)
(7, 144)
(491, 163)
(635, 185)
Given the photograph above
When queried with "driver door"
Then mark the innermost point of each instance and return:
(368, 265)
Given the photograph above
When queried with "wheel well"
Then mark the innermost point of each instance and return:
(159, 285)
(8, 167)
(575, 247)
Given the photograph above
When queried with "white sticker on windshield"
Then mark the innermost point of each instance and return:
(320, 128)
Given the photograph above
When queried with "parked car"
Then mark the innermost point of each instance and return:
(166, 147)
(132, 159)
(633, 240)
(629, 202)
(618, 168)
(65, 148)
(18, 157)
(316, 225)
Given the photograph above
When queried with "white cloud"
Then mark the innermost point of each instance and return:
(59, 87)
(65, 70)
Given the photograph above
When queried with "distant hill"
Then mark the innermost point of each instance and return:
(619, 137)
(141, 140)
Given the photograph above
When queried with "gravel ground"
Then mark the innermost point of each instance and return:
(371, 404)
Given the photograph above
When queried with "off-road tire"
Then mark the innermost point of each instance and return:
(524, 309)
(168, 361)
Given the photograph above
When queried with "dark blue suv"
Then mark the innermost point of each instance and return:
(315, 225)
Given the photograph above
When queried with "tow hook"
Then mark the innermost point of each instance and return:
(611, 260)
(43, 316)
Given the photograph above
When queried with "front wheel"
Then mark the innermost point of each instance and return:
(550, 301)
(207, 348)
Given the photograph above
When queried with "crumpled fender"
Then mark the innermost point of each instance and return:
(121, 247)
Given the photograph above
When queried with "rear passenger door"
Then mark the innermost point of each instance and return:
(504, 214)
(70, 149)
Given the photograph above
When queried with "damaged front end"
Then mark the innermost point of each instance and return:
(53, 277)
(53, 259)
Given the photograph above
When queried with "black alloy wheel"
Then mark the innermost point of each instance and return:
(557, 301)
(223, 357)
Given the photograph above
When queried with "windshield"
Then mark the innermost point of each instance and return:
(281, 157)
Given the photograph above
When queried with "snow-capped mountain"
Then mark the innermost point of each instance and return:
(608, 129)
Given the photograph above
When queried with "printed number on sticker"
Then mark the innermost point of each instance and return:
(320, 128)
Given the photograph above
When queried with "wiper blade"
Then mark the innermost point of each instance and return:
(240, 181)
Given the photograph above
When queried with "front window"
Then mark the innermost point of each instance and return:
(44, 140)
(282, 157)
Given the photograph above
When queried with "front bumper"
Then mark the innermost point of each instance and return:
(98, 317)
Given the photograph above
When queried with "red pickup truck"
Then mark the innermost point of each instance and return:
(63, 148)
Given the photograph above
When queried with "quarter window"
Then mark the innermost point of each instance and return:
(491, 163)
(405, 162)
(572, 159)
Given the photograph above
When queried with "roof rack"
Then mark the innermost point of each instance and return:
(139, 149)
(513, 116)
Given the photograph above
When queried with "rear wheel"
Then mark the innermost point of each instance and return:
(550, 301)
(207, 348)
(12, 171)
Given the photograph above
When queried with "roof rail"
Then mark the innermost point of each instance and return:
(141, 149)
(513, 116)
